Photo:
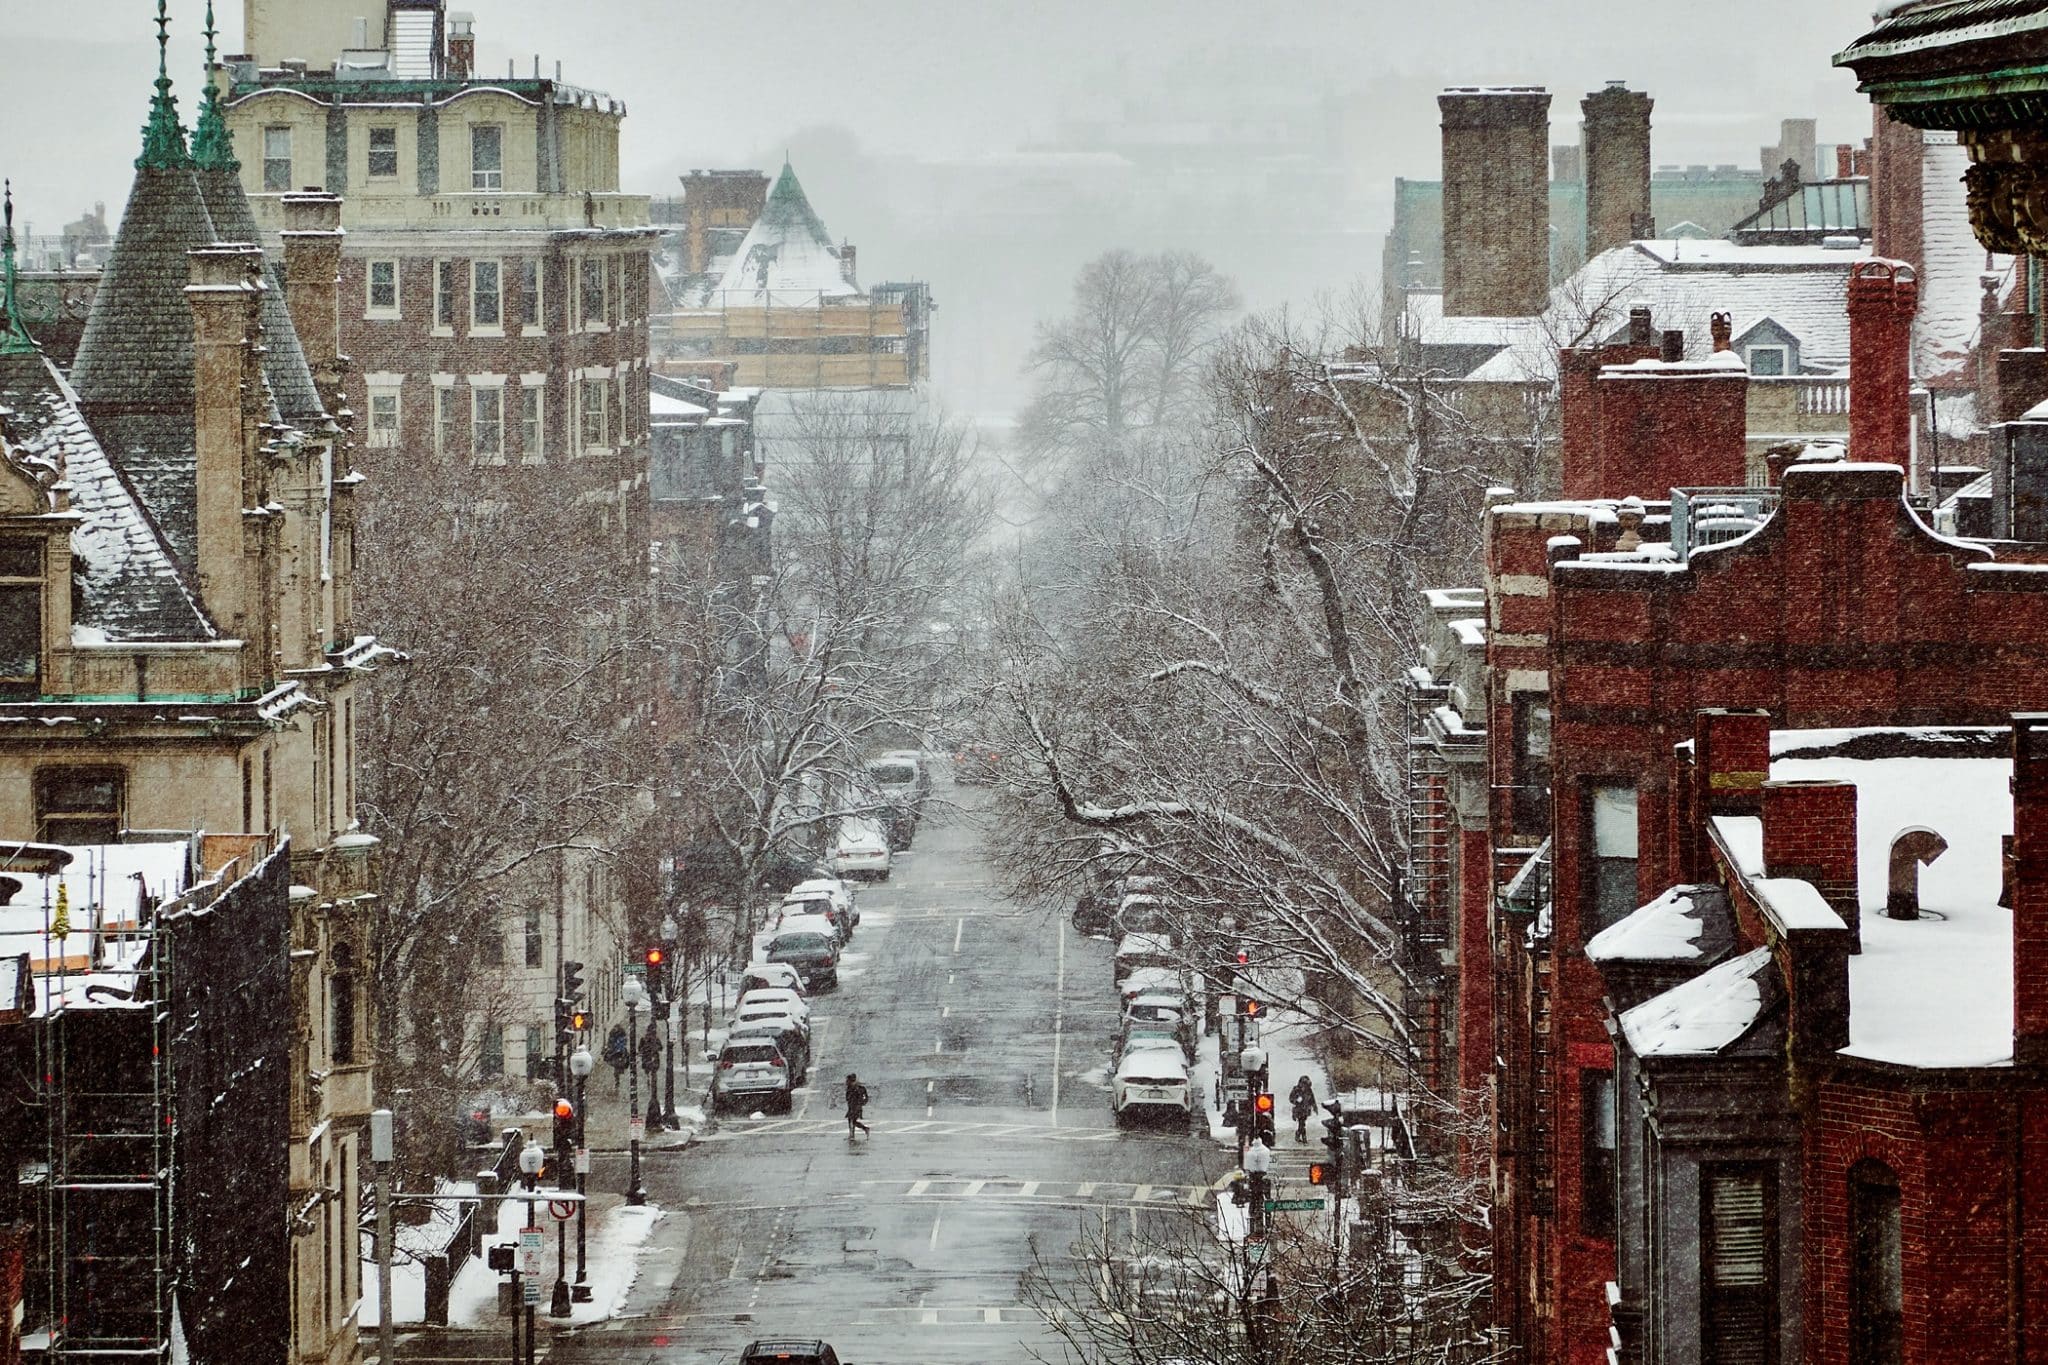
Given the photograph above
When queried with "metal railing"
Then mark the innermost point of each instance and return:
(1702, 517)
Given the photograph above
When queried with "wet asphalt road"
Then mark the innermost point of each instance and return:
(982, 1035)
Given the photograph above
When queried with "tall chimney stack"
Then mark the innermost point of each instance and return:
(1882, 297)
(1496, 147)
(461, 46)
(312, 284)
(1617, 140)
(225, 295)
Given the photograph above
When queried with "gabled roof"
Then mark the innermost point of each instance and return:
(787, 258)
(126, 583)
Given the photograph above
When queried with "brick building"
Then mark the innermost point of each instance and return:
(493, 291)
(179, 652)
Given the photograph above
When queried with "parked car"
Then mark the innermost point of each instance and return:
(976, 765)
(795, 914)
(773, 1013)
(1142, 950)
(789, 1002)
(1137, 1035)
(1153, 981)
(861, 849)
(789, 1040)
(840, 892)
(751, 1070)
(771, 976)
(1151, 1081)
(839, 911)
(813, 952)
(805, 1352)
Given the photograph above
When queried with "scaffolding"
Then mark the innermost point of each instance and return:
(107, 1096)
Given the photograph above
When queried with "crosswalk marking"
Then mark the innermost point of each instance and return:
(950, 1188)
(734, 1130)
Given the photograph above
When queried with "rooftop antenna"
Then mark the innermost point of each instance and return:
(163, 137)
(14, 337)
(213, 146)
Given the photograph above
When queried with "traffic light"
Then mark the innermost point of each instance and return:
(1262, 1116)
(1250, 1006)
(565, 1020)
(1318, 1173)
(1333, 1139)
(565, 1126)
(572, 981)
(654, 957)
(578, 1020)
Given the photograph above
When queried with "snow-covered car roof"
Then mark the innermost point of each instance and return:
(1166, 1062)
(1145, 943)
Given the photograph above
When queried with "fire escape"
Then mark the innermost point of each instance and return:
(1426, 881)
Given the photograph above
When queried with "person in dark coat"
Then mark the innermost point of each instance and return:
(1303, 1098)
(615, 1050)
(856, 1105)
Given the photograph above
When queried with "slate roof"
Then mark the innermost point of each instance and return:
(787, 258)
(284, 362)
(125, 583)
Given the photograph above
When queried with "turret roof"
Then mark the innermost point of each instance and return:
(787, 258)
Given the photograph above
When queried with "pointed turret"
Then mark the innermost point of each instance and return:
(163, 137)
(213, 147)
(787, 257)
(14, 337)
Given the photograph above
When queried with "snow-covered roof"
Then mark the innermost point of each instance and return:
(1668, 929)
(1952, 263)
(1703, 1015)
(787, 258)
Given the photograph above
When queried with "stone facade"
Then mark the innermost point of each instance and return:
(1496, 201)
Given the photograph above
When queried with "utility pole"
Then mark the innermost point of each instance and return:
(381, 1156)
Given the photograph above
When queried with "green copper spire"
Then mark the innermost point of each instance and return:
(163, 137)
(213, 146)
(14, 337)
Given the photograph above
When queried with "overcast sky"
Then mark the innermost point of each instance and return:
(861, 85)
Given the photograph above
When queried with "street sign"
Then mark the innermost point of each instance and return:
(636, 1127)
(529, 1291)
(562, 1209)
(531, 1240)
(583, 1161)
(1296, 1205)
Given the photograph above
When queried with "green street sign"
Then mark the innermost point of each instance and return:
(1296, 1205)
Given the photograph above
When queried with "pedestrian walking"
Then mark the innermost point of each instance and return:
(856, 1105)
(1303, 1098)
(615, 1057)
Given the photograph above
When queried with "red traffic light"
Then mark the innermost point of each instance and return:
(1263, 1102)
(1243, 957)
(1318, 1173)
(654, 957)
(564, 1110)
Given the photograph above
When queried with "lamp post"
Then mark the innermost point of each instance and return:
(635, 993)
(580, 1065)
(668, 1025)
(381, 1154)
(531, 1159)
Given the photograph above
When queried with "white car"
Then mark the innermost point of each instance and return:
(841, 894)
(861, 850)
(1137, 951)
(771, 1013)
(771, 976)
(1151, 981)
(788, 1001)
(1151, 1081)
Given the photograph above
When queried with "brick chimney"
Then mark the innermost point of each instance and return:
(1617, 140)
(312, 285)
(1810, 834)
(461, 46)
(1578, 400)
(1496, 149)
(225, 295)
(1882, 297)
(1731, 761)
(1897, 217)
(2028, 870)
(1668, 424)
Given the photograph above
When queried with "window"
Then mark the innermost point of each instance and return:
(532, 438)
(486, 304)
(383, 154)
(1596, 1154)
(493, 950)
(534, 942)
(487, 424)
(445, 419)
(490, 1064)
(592, 302)
(383, 418)
(341, 995)
(1531, 811)
(595, 392)
(1738, 1265)
(529, 293)
(79, 805)
(1766, 359)
(1611, 889)
(277, 160)
(1876, 1277)
(382, 300)
(21, 618)
(486, 157)
(446, 292)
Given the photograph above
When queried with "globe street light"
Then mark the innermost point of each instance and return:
(635, 994)
(580, 1066)
(531, 1159)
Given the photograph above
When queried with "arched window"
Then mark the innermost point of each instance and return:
(1876, 1279)
(341, 996)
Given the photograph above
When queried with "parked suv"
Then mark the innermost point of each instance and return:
(789, 1353)
(813, 952)
(751, 1069)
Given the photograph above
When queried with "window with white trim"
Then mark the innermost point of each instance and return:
(447, 418)
(383, 433)
(447, 293)
(277, 159)
(529, 293)
(487, 424)
(591, 301)
(1767, 360)
(380, 280)
(486, 294)
(532, 432)
(594, 393)
(383, 154)
(486, 156)
(1611, 881)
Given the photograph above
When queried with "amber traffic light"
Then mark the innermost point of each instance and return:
(1263, 1103)
(1318, 1174)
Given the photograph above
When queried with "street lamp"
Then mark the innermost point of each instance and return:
(669, 930)
(635, 995)
(580, 1065)
(531, 1159)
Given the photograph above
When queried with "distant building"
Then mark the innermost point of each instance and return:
(759, 283)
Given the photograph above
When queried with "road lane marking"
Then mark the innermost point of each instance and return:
(934, 1242)
(920, 1187)
(1030, 1188)
(945, 1011)
(1086, 1190)
(959, 928)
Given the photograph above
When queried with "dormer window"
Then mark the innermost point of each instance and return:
(21, 619)
(1766, 360)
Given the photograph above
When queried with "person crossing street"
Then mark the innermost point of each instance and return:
(1303, 1100)
(856, 1105)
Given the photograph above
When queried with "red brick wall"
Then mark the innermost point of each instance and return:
(1671, 426)
(1882, 298)
(1474, 1023)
